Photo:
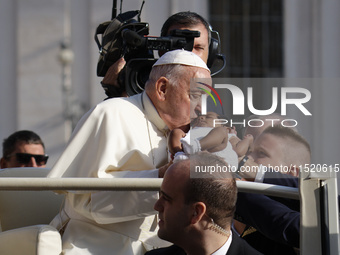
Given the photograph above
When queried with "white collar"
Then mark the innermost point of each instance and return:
(152, 114)
(225, 247)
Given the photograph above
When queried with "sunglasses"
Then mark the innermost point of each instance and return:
(25, 158)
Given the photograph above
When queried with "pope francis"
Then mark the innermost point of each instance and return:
(125, 138)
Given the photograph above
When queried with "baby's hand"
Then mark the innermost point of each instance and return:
(232, 130)
(249, 136)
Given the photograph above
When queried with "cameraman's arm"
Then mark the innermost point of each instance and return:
(110, 81)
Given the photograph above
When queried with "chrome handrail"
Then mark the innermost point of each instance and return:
(124, 184)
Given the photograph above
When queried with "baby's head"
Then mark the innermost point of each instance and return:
(206, 120)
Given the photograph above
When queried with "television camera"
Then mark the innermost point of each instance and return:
(126, 36)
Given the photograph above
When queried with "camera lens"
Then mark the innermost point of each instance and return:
(142, 77)
(137, 74)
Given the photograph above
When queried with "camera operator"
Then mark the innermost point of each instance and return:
(182, 20)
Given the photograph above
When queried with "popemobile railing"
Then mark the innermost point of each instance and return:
(125, 184)
(319, 232)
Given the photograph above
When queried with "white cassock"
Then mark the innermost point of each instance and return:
(119, 138)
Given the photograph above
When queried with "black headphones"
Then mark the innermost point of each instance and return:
(215, 51)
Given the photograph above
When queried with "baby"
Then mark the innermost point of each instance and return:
(221, 140)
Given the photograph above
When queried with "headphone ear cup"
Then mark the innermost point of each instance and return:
(213, 51)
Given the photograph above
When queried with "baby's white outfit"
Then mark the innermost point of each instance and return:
(191, 145)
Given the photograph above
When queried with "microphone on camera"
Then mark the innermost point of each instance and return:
(132, 38)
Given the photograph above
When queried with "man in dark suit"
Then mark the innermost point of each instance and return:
(277, 220)
(196, 208)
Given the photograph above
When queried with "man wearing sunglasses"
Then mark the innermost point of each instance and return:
(23, 149)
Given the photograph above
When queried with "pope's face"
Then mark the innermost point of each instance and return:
(183, 106)
(197, 89)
